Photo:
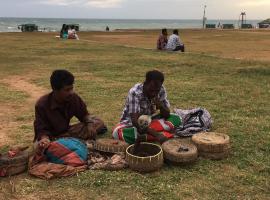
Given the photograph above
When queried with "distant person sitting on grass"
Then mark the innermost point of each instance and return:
(175, 43)
(72, 33)
(162, 40)
(54, 111)
(64, 32)
(145, 99)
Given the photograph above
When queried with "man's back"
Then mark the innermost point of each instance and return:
(173, 42)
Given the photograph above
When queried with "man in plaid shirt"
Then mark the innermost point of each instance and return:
(145, 99)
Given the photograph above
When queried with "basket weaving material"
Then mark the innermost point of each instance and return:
(148, 158)
(215, 156)
(110, 145)
(179, 151)
(12, 166)
(211, 142)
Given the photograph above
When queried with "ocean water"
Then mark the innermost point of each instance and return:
(53, 25)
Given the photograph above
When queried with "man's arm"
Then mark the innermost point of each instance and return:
(164, 110)
(81, 112)
(42, 134)
(41, 126)
(163, 104)
(159, 43)
(134, 119)
(94, 124)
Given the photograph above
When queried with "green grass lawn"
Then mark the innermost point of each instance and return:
(235, 92)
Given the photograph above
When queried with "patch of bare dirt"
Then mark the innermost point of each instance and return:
(23, 84)
(9, 112)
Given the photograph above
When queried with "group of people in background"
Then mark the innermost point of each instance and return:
(173, 43)
(68, 32)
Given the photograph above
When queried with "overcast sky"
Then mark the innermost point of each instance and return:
(135, 9)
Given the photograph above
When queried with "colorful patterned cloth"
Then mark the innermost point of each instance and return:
(162, 42)
(67, 151)
(193, 121)
(128, 133)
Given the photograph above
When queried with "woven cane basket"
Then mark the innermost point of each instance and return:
(16, 165)
(211, 142)
(110, 145)
(212, 145)
(179, 151)
(148, 158)
(215, 156)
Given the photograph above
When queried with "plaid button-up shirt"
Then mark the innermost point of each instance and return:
(137, 102)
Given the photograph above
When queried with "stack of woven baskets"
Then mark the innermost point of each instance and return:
(13, 165)
(212, 145)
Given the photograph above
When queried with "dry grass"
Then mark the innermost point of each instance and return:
(236, 92)
(244, 44)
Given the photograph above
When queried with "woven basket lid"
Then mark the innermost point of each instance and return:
(20, 158)
(211, 142)
(215, 156)
(179, 151)
(110, 145)
(148, 158)
(15, 165)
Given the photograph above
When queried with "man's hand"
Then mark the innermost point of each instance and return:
(44, 142)
(164, 111)
(92, 133)
(158, 136)
(157, 102)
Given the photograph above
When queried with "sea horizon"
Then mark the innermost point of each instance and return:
(10, 24)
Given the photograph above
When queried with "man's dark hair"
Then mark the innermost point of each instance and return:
(175, 31)
(61, 78)
(164, 30)
(154, 75)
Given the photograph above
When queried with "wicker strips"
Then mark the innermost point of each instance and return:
(152, 159)
(16, 165)
(110, 145)
(215, 156)
(180, 151)
(212, 145)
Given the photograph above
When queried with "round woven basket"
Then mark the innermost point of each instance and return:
(148, 158)
(110, 145)
(215, 156)
(179, 151)
(211, 142)
(16, 165)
